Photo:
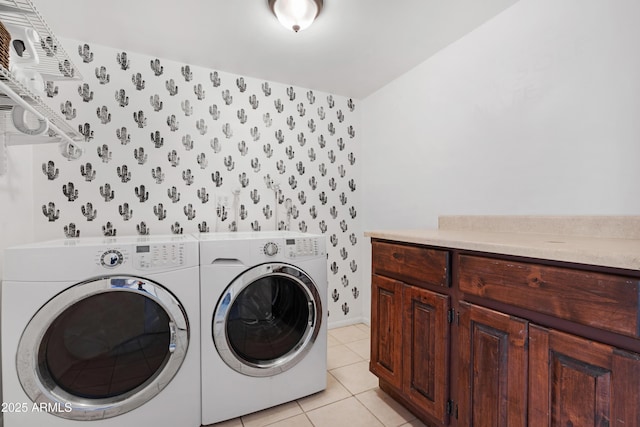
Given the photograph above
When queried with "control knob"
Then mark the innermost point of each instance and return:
(270, 249)
(111, 258)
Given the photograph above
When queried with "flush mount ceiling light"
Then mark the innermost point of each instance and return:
(296, 15)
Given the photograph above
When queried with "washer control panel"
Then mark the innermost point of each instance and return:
(301, 247)
(151, 257)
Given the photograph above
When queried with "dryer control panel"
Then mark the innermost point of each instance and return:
(157, 256)
(301, 247)
(289, 248)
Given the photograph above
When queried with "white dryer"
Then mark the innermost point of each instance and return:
(102, 332)
(264, 320)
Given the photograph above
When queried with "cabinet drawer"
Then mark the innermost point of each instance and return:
(604, 301)
(411, 264)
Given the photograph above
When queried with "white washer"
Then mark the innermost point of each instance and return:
(264, 320)
(102, 332)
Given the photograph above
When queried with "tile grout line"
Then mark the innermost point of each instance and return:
(367, 408)
(330, 372)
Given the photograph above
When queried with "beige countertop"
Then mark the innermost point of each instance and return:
(601, 251)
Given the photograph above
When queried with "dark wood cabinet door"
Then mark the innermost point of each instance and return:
(577, 382)
(493, 369)
(386, 330)
(426, 350)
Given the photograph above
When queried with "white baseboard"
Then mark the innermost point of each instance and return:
(347, 322)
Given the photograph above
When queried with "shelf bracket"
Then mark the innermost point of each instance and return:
(69, 148)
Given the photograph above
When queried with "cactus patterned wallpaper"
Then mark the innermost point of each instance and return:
(174, 148)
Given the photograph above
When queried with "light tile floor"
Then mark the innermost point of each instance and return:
(352, 397)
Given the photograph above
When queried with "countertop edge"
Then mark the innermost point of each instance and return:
(595, 251)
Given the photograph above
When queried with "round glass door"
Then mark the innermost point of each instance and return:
(103, 347)
(267, 319)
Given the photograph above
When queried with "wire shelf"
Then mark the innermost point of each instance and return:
(54, 61)
(53, 64)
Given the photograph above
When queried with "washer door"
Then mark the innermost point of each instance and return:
(102, 347)
(267, 319)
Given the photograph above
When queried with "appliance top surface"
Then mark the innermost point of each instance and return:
(81, 258)
(110, 241)
(253, 235)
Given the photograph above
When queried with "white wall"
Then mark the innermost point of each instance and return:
(535, 112)
(16, 199)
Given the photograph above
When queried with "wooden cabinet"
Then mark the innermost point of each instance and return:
(493, 368)
(578, 382)
(481, 340)
(604, 301)
(410, 329)
(412, 264)
(425, 348)
(386, 330)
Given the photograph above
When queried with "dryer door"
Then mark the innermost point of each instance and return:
(102, 347)
(267, 319)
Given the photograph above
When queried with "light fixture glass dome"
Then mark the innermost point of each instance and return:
(296, 15)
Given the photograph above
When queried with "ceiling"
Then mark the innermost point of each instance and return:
(354, 48)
